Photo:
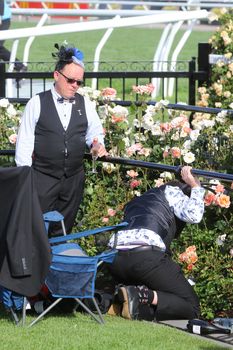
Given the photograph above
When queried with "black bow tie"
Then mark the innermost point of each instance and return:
(63, 99)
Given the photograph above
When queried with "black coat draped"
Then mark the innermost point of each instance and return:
(24, 247)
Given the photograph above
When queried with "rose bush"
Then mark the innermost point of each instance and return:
(9, 123)
(155, 133)
(219, 93)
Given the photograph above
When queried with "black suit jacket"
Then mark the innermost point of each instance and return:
(24, 247)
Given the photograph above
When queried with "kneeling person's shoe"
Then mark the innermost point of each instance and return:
(115, 310)
(128, 297)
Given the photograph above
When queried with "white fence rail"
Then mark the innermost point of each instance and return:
(164, 17)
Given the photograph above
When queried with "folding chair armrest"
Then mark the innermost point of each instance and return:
(86, 233)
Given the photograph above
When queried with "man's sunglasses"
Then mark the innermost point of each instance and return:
(71, 81)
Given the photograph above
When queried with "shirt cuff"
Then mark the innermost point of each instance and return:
(200, 191)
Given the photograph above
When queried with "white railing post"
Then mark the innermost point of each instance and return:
(9, 82)
(176, 53)
(31, 39)
(175, 27)
(98, 51)
(157, 59)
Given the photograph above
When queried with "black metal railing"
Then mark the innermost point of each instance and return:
(148, 165)
(121, 81)
(122, 75)
(175, 106)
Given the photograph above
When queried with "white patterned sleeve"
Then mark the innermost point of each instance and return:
(95, 127)
(188, 209)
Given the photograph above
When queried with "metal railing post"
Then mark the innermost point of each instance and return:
(204, 50)
(192, 82)
(3, 79)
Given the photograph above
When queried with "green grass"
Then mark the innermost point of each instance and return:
(80, 332)
(135, 43)
(125, 44)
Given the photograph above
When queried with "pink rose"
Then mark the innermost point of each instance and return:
(12, 138)
(111, 212)
(105, 219)
(209, 199)
(132, 173)
(143, 89)
(135, 183)
(109, 93)
(165, 127)
(219, 188)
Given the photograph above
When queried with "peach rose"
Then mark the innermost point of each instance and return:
(118, 118)
(175, 152)
(191, 248)
(223, 201)
(193, 258)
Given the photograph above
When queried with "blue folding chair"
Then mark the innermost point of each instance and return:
(13, 303)
(72, 272)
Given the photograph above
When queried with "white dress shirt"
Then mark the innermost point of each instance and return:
(188, 209)
(26, 135)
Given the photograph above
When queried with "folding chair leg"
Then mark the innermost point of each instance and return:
(98, 310)
(63, 227)
(24, 311)
(45, 311)
(14, 316)
(100, 319)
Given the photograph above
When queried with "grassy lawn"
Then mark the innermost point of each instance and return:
(135, 43)
(125, 44)
(80, 332)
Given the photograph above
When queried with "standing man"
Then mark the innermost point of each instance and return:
(5, 22)
(56, 127)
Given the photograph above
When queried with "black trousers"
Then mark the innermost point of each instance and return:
(156, 270)
(4, 53)
(63, 195)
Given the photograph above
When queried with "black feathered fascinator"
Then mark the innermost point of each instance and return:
(68, 54)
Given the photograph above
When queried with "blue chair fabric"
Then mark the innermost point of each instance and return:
(11, 299)
(73, 273)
